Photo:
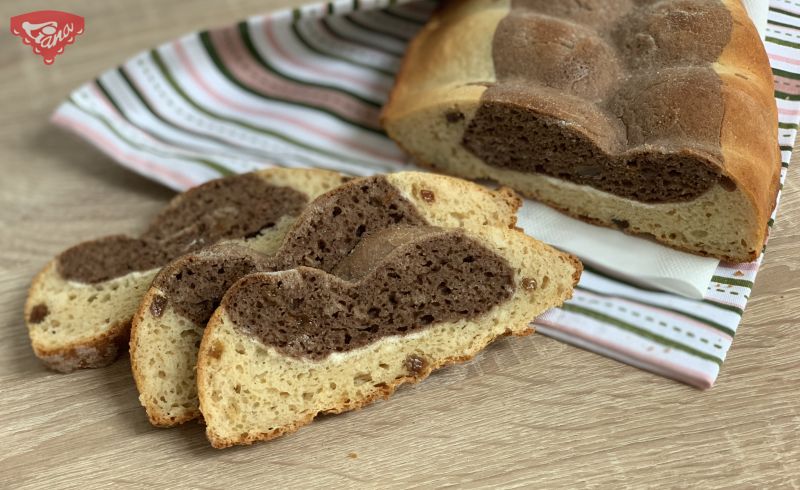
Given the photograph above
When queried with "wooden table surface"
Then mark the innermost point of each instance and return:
(528, 412)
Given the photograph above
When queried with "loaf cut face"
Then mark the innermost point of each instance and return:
(362, 218)
(79, 308)
(654, 117)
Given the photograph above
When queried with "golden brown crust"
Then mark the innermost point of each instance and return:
(750, 122)
(134, 338)
(421, 79)
(514, 201)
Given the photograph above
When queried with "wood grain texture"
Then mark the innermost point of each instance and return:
(528, 412)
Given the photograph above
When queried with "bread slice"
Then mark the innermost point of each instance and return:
(167, 328)
(284, 347)
(656, 118)
(80, 306)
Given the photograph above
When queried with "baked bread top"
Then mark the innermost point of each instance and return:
(664, 99)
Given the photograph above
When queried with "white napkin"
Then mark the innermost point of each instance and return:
(636, 260)
(758, 10)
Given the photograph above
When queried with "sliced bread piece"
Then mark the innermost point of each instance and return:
(169, 324)
(284, 347)
(80, 306)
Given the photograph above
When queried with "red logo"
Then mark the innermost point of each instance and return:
(47, 31)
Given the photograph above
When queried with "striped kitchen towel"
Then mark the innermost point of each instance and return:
(304, 88)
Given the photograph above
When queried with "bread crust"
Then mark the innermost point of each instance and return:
(750, 122)
(100, 352)
(415, 84)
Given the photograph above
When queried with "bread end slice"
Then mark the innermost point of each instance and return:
(75, 326)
